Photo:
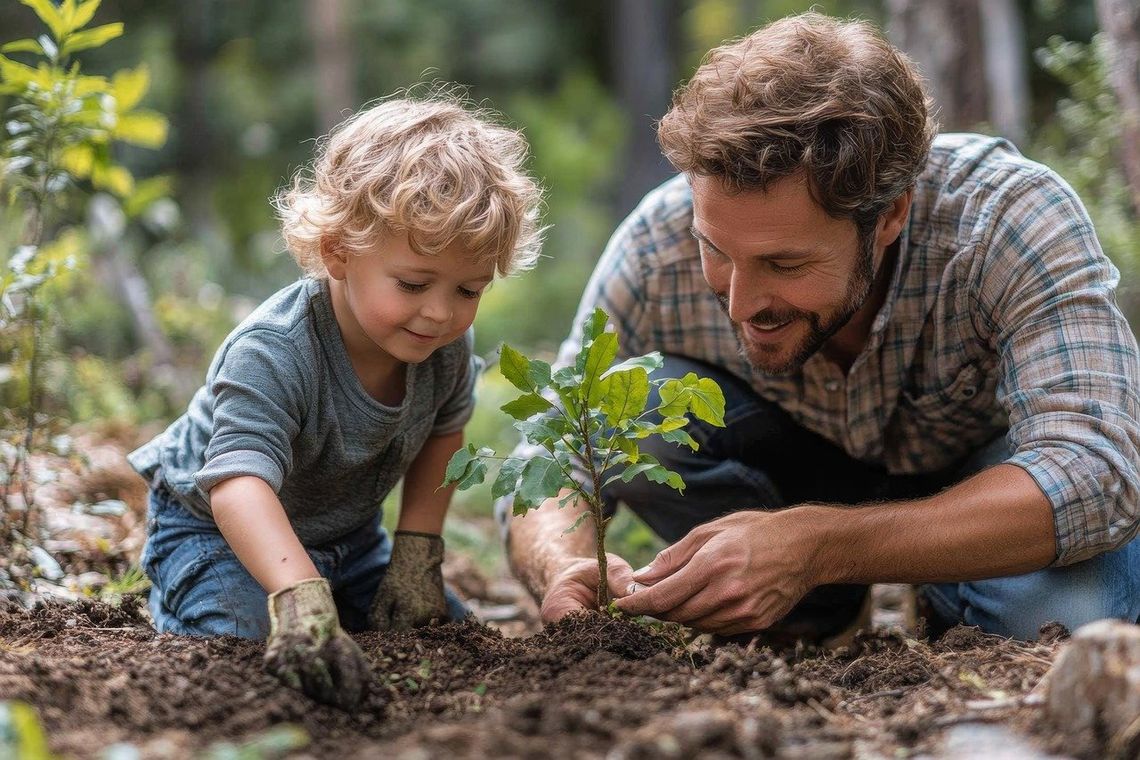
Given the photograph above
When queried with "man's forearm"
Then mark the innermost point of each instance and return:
(996, 523)
(539, 544)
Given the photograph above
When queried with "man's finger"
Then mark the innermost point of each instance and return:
(670, 559)
(554, 610)
(666, 594)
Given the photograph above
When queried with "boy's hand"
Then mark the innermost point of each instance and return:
(411, 593)
(307, 648)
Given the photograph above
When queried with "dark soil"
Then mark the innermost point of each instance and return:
(587, 687)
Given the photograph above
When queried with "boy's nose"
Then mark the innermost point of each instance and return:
(436, 310)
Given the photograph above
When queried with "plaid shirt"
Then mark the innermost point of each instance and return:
(1001, 317)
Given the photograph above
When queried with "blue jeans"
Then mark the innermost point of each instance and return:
(763, 459)
(200, 588)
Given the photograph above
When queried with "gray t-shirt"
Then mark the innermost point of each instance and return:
(282, 402)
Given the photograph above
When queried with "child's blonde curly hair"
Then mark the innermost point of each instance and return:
(433, 168)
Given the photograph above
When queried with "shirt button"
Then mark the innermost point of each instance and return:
(831, 386)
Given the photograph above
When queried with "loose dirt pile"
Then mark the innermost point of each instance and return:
(588, 687)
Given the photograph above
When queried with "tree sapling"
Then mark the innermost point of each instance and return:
(592, 430)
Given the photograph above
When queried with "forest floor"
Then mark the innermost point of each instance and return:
(77, 646)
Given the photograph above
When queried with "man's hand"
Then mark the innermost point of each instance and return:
(411, 593)
(737, 574)
(307, 648)
(575, 587)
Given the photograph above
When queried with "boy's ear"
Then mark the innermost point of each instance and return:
(333, 257)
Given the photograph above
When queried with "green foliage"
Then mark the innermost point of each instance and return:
(21, 734)
(1082, 142)
(595, 427)
(58, 133)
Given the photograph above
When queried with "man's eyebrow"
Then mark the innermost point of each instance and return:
(788, 254)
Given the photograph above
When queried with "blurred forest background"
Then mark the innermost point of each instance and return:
(157, 270)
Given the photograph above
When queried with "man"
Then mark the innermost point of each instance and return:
(927, 378)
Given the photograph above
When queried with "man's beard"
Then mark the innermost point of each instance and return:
(821, 327)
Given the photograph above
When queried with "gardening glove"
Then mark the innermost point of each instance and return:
(411, 593)
(307, 648)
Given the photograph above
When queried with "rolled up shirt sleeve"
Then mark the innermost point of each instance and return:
(259, 395)
(460, 404)
(1069, 368)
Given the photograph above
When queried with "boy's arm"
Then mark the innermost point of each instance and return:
(424, 504)
(411, 592)
(307, 649)
(254, 524)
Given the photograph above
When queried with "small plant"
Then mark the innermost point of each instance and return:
(594, 428)
(56, 144)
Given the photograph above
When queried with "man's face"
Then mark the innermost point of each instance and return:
(788, 275)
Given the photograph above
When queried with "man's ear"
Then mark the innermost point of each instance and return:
(334, 258)
(892, 221)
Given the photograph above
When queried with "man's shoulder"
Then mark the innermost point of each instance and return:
(659, 228)
(962, 165)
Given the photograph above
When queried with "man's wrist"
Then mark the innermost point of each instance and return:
(830, 548)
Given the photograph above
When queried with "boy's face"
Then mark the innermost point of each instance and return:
(406, 304)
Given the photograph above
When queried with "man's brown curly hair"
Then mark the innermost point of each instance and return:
(809, 93)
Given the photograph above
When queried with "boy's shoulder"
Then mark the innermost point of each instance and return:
(286, 326)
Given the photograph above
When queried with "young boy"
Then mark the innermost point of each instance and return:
(264, 514)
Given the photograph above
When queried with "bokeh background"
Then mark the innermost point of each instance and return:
(248, 86)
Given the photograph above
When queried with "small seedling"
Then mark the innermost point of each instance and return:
(592, 430)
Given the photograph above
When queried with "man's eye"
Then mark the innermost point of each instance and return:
(787, 269)
(410, 287)
(466, 293)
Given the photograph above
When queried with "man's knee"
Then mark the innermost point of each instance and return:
(1106, 586)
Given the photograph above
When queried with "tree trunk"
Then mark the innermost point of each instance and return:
(644, 69)
(1007, 76)
(1120, 20)
(944, 39)
(333, 56)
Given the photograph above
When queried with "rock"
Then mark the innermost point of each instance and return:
(1093, 692)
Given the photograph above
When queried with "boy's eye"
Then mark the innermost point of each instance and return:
(469, 293)
(410, 287)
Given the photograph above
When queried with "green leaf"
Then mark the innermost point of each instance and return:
(48, 14)
(573, 527)
(21, 733)
(680, 437)
(507, 480)
(514, 367)
(628, 447)
(625, 395)
(84, 13)
(544, 430)
(458, 464)
(674, 398)
(526, 406)
(672, 423)
(475, 474)
(23, 46)
(144, 128)
(92, 38)
(707, 402)
(147, 192)
(541, 479)
(594, 326)
(599, 356)
(654, 472)
(521, 372)
(128, 86)
(649, 363)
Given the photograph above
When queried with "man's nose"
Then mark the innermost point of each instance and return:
(746, 296)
